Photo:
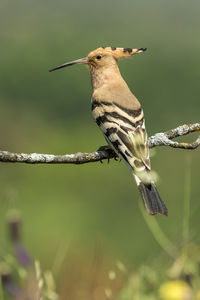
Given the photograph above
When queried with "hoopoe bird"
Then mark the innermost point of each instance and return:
(119, 115)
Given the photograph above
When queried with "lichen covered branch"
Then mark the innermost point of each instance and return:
(164, 138)
(159, 139)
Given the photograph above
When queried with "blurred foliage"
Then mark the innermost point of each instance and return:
(97, 277)
(84, 206)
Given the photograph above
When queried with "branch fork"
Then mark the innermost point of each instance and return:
(104, 152)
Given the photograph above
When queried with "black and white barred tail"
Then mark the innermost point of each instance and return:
(151, 199)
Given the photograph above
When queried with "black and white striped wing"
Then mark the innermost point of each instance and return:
(124, 130)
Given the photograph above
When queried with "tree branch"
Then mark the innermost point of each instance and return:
(164, 138)
(159, 139)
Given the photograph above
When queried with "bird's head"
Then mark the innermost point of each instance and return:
(103, 57)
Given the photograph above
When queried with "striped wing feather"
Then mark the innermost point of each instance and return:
(124, 130)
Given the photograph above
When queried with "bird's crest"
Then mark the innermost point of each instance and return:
(116, 52)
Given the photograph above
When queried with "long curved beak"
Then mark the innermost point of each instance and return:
(71, 63)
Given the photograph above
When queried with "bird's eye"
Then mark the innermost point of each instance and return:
(98, 57)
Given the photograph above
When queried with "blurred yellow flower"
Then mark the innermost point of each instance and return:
(175, 290)
(198, 294)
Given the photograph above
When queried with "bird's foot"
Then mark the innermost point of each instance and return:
(106, 148)
(110, 151)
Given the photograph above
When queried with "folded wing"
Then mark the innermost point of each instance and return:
(124, 130)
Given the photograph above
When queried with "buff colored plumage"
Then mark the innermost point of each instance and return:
(119, 115)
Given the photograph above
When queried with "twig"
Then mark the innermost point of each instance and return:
(164, 138)
(159, 139)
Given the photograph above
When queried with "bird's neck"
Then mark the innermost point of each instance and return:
(105, 76)
(109, 86)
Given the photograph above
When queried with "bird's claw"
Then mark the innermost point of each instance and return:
(110, 151)
(104, 148)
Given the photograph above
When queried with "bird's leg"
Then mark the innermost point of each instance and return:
(111, 153)
(106, 148)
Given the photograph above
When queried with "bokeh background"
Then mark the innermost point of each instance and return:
(94, 205)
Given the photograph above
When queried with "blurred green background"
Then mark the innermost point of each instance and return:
(83, 206)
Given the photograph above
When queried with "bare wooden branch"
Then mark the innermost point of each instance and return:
(164, 138)
(159, 139)
(36, 158)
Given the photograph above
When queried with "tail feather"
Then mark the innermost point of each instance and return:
(151, 199)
